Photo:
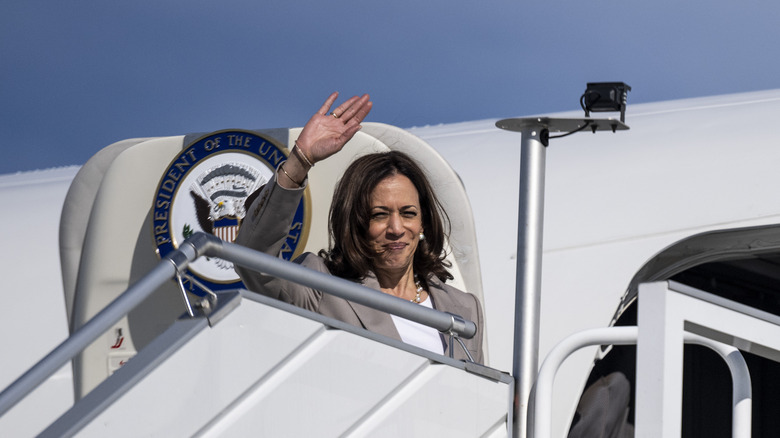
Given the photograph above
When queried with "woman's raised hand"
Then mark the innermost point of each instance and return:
(325, 134)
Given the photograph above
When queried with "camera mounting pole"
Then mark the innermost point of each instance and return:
(535, 138)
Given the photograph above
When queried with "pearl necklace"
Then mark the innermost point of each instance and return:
(419, 290)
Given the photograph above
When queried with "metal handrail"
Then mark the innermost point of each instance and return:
(202, 244)
(445, 322)
(741, 401)
(190, 250)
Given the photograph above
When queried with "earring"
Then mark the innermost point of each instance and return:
(422, 236)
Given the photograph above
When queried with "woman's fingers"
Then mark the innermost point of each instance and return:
(352, 107)
(339, 112)
(328, 102)
(362, 111)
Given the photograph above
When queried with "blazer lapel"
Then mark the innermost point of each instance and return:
(443, 300)
(372, 319)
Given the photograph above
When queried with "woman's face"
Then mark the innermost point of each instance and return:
(395, 223)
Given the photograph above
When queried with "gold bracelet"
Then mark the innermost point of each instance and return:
(301, 156)
(299, 184)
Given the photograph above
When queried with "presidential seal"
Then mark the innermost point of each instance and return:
(204, 189)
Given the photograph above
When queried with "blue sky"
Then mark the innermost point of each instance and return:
(76, 76)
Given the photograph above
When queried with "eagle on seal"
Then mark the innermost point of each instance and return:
(222, 209)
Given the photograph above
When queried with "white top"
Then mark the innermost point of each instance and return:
(417, 334)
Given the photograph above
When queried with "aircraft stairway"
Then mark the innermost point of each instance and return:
(271, 369)
(253, 366)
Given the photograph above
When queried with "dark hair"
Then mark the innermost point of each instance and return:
(350, 255)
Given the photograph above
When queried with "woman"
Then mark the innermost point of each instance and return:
(386, 232)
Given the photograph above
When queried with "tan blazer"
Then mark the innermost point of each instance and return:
(265, 228)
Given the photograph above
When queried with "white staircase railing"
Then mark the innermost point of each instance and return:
(542, 397)
(669, 315)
